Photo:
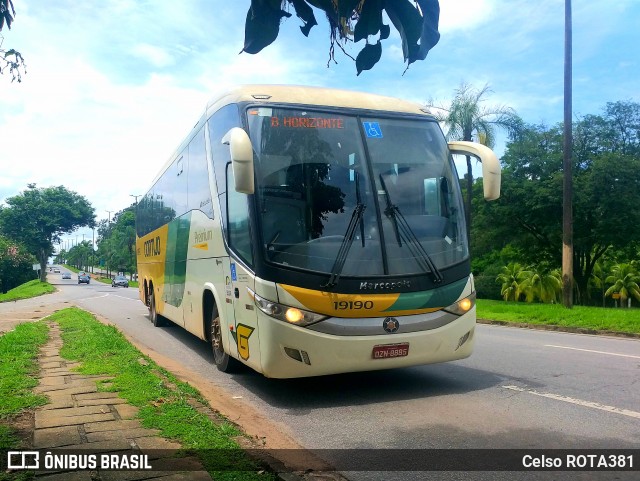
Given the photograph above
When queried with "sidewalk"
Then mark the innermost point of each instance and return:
(79, 417)
(13, 313)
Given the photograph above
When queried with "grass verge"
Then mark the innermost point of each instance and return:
(163, 400)
(27, 290)
(580, 317)
(18, 366)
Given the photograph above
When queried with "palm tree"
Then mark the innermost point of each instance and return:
(511, 278)
(598, 278)
(624, 279)
(542, 284)
(467, 118)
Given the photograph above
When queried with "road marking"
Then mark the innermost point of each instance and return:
(91, 298)
(590, 350)
(127, 298)
(579, 402)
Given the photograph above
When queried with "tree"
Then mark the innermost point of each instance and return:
(466, 117)
(542, 284)
(79, 255)
(350, 20)
(511, 278)
(117, 241)
(624, 279)
(15, 264)
(39, 216)
(11, 59)
(606, 195)
(598, 279)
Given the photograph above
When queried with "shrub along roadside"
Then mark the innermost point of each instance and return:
(165, 403)
(580, 317)
(27, 290)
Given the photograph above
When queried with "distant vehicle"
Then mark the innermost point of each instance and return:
(120, 281)
(66, 275)
(57, 271)
(83, 278)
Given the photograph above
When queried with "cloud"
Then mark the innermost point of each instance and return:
(464, 14)
(156, 56)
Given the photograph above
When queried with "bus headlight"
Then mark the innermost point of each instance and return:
(292, 315)
(462, 306)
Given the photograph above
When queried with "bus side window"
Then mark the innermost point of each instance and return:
(239, 235)
(219, 124)
(199, 191)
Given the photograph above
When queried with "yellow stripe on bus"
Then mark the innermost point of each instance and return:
(350, 305)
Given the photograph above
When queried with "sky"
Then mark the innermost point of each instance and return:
(113, 86)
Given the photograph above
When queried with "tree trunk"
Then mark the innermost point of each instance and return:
(43, 265)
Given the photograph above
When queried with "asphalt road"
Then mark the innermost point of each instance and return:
(520, 389)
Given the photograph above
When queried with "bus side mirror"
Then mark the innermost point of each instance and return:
(491, 175)
(241, 158)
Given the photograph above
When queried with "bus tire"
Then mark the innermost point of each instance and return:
(154, 317)
(221, 359)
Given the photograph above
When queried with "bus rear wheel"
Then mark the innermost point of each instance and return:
(154, 317)
(221, 359)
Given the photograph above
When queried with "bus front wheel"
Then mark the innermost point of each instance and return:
(221, 359)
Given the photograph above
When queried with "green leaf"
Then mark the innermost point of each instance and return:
(262, 25)
(385, 31)
(368, 56)
(408, 23)
(370, 20)
(305, 12)
(429, 36)
(346, 7)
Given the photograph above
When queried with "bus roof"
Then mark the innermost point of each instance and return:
(301, 95)
(294, 94)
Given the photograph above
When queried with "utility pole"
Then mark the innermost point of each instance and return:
(133, 252)
(567, 185)
(93, 248)
(109, 232)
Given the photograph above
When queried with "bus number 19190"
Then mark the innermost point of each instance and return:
(352, 305)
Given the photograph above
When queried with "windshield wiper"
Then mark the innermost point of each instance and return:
(403, 230)
(347, 241)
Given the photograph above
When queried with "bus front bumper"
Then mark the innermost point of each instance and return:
(289, 351)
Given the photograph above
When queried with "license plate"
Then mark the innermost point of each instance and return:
(386, 351)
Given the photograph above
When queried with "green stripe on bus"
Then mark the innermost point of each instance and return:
(176, 259)
(436, 298)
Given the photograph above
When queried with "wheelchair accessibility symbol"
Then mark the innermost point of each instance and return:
(372, 130)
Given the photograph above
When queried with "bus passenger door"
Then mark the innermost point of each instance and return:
(241, 315)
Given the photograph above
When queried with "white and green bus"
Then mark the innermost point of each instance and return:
(306, 231)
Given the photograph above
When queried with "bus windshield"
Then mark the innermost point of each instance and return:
(320, 173)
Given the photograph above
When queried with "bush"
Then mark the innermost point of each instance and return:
(15, 265)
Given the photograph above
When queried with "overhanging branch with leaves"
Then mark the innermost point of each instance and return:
(350, 21)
